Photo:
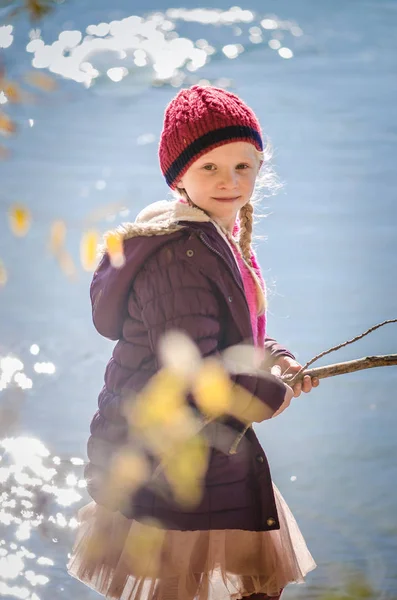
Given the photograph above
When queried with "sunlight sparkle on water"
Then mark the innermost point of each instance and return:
(45, 561)
(269, 24)
(232, 50)
(32, 489)
(285, 53)
(44, 367)
(117, 73)
(155, 43)
(71, 479)
(35, 579)
(274, 44)
(6, 37)
(10, 566)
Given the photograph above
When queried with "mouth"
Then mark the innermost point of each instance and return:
(227, 199)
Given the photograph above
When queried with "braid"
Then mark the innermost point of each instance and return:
(246, 221)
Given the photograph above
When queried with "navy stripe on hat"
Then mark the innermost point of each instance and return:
(233, 132)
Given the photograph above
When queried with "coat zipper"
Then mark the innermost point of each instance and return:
(203, 239)
(233, 448)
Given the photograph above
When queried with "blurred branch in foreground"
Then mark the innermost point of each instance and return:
(35, 9)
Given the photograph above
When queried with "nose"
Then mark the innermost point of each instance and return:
(227, 179)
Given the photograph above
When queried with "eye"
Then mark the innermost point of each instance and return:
(243, 166)
(208, 167)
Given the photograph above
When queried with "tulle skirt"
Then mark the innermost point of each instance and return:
(129, 560)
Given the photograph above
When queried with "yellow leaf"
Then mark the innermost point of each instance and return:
(57, 236)
(3, 274)
(88, 250)
(178, 352)
(185, 470)
(7, 126)
(143, 548)
(114, 247)
(159, 401)
(41, 80)
(11, 90)
(248, 408)
(212, 389)
(19, 219)
(129, 469)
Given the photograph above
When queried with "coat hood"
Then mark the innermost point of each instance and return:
(111, 285)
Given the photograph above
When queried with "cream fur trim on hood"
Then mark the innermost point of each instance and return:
(159, 218)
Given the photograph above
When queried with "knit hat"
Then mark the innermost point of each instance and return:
(198, 120)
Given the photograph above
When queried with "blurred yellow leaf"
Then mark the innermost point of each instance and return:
(67, 265)
(3, 274)
(128, 471)
(143, 548)
(114, 247)
(186, 468)
(160, 400)
(57, 236)
(178, 352)
(212, 389)
(7, 126)
(19, 219)
(187, 495)
(159, 404)
(247, 408)
(12, 90)
(88, 250)
(40, 80)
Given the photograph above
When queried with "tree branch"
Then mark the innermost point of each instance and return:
(367, 362)
(355, 339)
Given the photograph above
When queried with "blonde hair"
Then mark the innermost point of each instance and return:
(266, 184)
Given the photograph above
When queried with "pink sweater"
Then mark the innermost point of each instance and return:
(258, 323)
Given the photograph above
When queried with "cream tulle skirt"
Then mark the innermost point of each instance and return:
(129, 560)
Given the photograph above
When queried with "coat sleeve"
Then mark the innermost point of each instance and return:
(173, 294)
(274, 350)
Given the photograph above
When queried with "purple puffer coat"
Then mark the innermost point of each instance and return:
(180, 273)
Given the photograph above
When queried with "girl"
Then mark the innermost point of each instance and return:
(189, 266)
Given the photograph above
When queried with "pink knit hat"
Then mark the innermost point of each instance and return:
(200, 119)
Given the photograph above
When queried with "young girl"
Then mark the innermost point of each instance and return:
(189, 266)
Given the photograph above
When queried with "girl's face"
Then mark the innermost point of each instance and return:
(222, 181)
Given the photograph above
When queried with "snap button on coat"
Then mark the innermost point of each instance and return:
(260, 458)
(230, 298)
(190, 252)
(270, 521)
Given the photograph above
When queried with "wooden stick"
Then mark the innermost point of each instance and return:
(367, 362)
(355, 339)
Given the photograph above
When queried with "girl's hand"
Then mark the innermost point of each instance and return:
(285, 365)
